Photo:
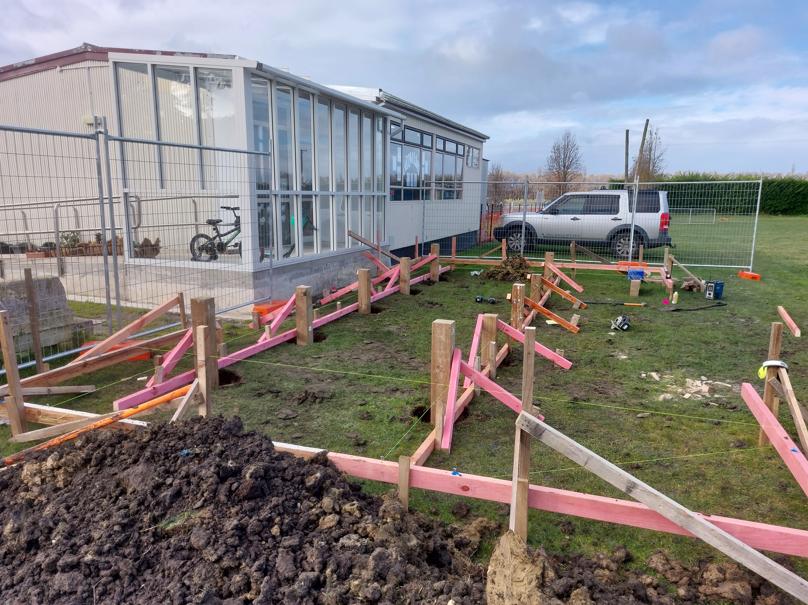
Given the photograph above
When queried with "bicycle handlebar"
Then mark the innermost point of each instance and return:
(233, 208)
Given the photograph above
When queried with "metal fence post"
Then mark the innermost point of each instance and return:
(524, 220)
(114, 238)
(633, 218)
(754, 229)
(102, 217)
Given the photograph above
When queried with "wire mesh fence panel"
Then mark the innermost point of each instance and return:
(50, 224)
(706, 223)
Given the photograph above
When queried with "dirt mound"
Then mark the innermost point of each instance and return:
(512, 269)
(519, 574)
(201, 512)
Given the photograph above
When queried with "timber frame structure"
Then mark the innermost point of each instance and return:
(193, 390)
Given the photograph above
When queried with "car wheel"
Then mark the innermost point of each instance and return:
(514, 240)
(621, 243)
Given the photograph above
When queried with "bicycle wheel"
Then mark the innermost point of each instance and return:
(203, 248)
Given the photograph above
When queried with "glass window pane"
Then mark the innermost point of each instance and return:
(353, 150)
(340, 216)
(305, 141)
(324, 222)
(427, 140)
(175, 103)
(426, 173)
(451, 147)
(461, 149)
(323, 147)
(308, 229)
(338, 133)
(286, 225)
(411, 166)
(261, 133)
(283, 137)
(367, 153)
(412, 136)
(355, 218)
(367, 217)
(458, 170)
(265, 227)
(217, 110)
(378, 163)
(439, 143)
(379, 225)
(395, 165)
(137, 119)
(395, 131)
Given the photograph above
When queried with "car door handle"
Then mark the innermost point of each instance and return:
(616, 218)
(575, 218)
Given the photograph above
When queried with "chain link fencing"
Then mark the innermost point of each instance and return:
(705, 224)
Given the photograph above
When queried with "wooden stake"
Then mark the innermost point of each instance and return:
(665, 506)
(434, 266)
(443, 344)
(535, 285)
(404, 481)
(203, 313)
(454, 247)
(303, 313)
(365, 291)
(549, 257)
(159, 372)
(517, 306)
(634, 288)
(769, 396)
(404, 275)
(492, 354)
(416, 249)
(521, 452)
(639, 256)
(187, 401)
(203, 371)
(573, 253)
(488, 334)
(792, 325)
(33, 318)
(794, 406)
(183, 313)
(504, 245)
(15, 406)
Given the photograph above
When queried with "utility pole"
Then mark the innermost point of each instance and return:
(625, 178)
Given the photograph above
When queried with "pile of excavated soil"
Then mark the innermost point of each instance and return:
(202, 512)
(512, 269)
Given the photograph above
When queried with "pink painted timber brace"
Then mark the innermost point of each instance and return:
(172, 358)
(792, 325)
(475, 346)
(451, 399)
(570, 282)
(491, 387)
(774, 538)
(791, 455)
(540, 348)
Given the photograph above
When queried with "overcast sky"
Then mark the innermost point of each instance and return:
(725, 81)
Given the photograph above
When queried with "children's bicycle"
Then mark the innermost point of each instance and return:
(207, 248)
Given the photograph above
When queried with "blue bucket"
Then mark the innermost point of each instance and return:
(636, 274)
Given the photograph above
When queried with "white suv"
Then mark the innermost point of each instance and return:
(593, 218)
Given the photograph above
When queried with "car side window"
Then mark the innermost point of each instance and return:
(574, 204)
(602, 204)
(647, 202)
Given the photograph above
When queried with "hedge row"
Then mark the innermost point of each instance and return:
(780, 195)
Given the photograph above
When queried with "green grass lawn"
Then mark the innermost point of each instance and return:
(357, 392)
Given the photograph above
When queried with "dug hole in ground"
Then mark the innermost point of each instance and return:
(203, 512)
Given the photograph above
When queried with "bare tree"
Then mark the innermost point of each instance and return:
(650, 165)
(564, 164)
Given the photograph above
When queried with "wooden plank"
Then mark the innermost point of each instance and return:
(416, 253)
(667, 507)
(786, 448)
(15, 405)
(517, 305)
(550, 315)
(362, 240)
(794, 407)
(181, 308)
(363, 277)
(379, 264)
(634, 288)
(303, 315)
(341, 312)
(404, 481)
(573, 257)
(474, 350)
(562, 293)
(488, 334)
(424, 451)
(187, 402)
(434, 266)
(792, 325)
(769, 397)
(404, 275)
(50, 415)
(590, 254)
(172, 358)
(127, 331)
(64, 427)
(443, 350)
(451, 400)
(776, 538)
(33, 319)
(58, 390)
(108, 420)
(545, 352)
(565, 278)
(687, 271)
(393, 279)
(454, 246)
(497, 248)
(203, 313)
(104, 360)
(504, 249)
(492, 388)
(281, 315)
